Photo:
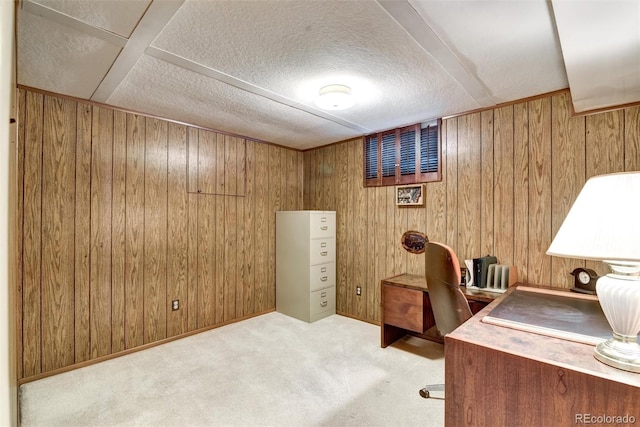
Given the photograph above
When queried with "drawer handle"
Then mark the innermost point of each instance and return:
(324, 228)
(323, 295)
(323, 219)
(323, 244)
(324, 278)
(323, 253)
(323, 304)
(323, 269)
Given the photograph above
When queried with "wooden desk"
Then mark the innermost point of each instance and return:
(505, 377)
(406, 309)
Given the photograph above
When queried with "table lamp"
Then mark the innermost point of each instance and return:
(604, 224)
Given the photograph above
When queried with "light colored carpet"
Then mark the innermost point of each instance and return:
(270, 370)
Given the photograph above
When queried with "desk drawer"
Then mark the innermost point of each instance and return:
(407, 308)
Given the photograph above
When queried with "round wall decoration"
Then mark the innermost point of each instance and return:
(414, 241)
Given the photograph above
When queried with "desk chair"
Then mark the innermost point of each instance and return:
(450, 307)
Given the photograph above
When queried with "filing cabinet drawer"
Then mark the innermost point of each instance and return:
(322, 251)
(322, 225)
(323, 300)
(322, 276)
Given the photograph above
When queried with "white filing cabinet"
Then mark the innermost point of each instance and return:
(306, 264)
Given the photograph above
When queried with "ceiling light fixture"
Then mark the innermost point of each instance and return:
(335, 97)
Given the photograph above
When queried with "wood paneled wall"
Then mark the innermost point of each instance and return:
(114, 227)
(510, 176)
(111, 236)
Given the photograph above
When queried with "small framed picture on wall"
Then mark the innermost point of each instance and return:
(410, 195)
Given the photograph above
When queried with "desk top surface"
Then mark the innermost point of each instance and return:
(418, 282)
(555, 351)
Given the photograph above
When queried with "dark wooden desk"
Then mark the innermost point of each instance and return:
(499, 376)
(406, 309)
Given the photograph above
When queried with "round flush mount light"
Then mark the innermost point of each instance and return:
(335, 97)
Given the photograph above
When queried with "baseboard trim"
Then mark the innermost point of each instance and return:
(22, 381)
(373, 322)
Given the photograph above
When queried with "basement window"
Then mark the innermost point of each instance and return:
(407, 155)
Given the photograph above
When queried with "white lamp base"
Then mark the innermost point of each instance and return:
(620, 352)
(619, 295)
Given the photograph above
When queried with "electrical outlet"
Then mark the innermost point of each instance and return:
(358, 290)
(175, 304)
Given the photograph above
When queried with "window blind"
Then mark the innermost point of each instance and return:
(371, 158)
(388, 155)
(414, 149)
(429, 153)
(408, 152)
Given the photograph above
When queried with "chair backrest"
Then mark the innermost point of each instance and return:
(448, 303)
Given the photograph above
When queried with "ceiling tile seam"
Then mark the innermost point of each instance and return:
(420, 31)
(155, 18)
(248, 87)
(73, 23)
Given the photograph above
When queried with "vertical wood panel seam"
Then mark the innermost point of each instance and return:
(126, 187)
(113, 136)
(197, 236)
(268, 216)
(493, 179)
(482, 161)
(350, 287)
(21, 284)
(493, 175)
(144, 228)
(197, 166)
(166, 232)
(40, 231)
(550, 183)
(586, 147)
(528, 182)
(482, 201)
(513, 183)
(457, 216)
(529, 186)
(487, 165)
(188, 270)
(75, 203)
(528, 151)
(90, 222)
(624, 140)
(197, 255)
(124, 232)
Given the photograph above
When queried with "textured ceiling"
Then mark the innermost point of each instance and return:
(254, 67)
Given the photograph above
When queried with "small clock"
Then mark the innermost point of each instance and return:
(584, 280)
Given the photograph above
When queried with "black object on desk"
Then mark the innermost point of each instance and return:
(585, 280)
(480, 268)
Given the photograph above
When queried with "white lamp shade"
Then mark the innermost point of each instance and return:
(604, 221)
